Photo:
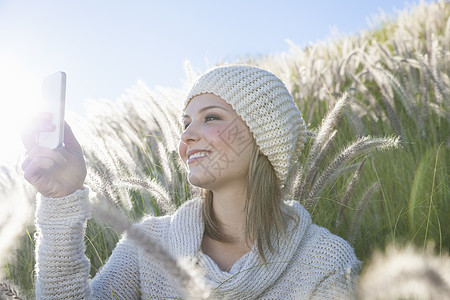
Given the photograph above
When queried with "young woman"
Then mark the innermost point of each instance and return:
(242, 131)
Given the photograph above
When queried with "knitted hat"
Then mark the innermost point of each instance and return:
(266, 106)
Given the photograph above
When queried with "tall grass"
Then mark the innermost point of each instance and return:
(382, 88)
(399, 77)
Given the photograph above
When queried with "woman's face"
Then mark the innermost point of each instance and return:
(216, 145)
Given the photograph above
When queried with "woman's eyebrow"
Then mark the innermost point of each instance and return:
(206, 108)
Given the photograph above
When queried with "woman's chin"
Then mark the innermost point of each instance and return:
(204, 182)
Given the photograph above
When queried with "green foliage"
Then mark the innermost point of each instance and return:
(21, 269)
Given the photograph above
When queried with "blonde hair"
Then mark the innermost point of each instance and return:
(266, 213)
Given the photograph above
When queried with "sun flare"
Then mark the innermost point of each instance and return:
(19, 93)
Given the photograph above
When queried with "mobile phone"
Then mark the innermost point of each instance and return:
(53, 101)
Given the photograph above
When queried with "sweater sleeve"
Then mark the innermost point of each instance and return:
(119, 278)
(340, 280)
(340, 284)
(62, 268)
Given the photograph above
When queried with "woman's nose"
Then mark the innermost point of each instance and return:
(189, 134)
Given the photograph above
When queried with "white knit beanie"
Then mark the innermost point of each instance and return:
(266, 106)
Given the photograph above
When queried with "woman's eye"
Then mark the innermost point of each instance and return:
(211, 118)
(185, 126)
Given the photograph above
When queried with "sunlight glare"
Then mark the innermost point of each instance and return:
(19, 93)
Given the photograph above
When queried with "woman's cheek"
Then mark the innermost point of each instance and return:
(182, 147)
(213, 132)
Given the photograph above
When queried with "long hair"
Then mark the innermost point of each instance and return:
(266, 220)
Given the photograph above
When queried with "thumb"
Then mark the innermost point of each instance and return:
(70, 142)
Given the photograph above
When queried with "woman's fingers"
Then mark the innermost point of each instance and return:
(30, 131)
(36, 168)
(40, 163)
(41, 155)
(42, 123)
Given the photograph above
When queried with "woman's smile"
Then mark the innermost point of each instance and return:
(197, 155)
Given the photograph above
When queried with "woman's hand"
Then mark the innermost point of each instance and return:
(53, 172)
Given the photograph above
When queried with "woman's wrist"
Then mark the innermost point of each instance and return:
(62, 208)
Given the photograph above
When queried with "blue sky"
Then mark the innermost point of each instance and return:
(106, 46)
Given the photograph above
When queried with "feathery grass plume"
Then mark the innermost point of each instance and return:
(405, 273)
(153, 188)
(439, 94)
(368, 99)
(297, 174)
(191, 76)
(295, 180)
(165, 165)
(9, 291)
(359, 212)
(185, 274)
(150, 138)
(424, 97)
(312, 172)
(411, 81)
(161, 146)
(395, 122)
(166, 116)
(360, 147)
(436, 59)
(408, 102)
(108, 160)
(326, 129)
(387, 95)
(348, 193)
(354, 116)
(345, 61)
(101, 182)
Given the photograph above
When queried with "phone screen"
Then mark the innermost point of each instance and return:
(53, 102)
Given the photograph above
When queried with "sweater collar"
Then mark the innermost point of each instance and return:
(249, 276)
(186, 229)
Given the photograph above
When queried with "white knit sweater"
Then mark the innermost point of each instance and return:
(313, 264)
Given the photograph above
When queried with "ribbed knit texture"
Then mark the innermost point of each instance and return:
(62, 264)
(266, 106)
(313, 264)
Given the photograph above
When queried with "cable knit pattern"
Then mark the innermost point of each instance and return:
(312, 264)
(262, 100)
